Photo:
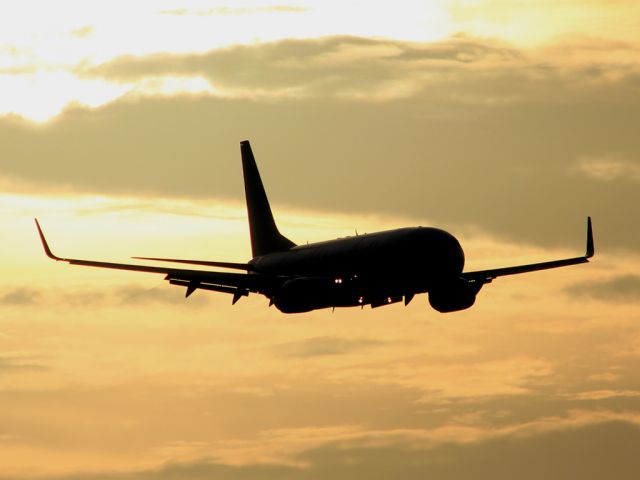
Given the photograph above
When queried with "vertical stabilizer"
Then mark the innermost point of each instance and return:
(265, 237)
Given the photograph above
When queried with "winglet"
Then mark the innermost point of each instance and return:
(590, 247)
(45, 245)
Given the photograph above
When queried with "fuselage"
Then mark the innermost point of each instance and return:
(373, 269)
(405, 259)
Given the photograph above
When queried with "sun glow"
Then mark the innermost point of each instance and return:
(43, 95)
(41, 67)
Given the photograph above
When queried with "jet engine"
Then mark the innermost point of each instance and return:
(305, 294)
(454, 296)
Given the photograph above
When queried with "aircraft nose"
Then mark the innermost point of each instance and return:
(445, 254)
(454, 254)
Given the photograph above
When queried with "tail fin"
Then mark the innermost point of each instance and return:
(265, 237)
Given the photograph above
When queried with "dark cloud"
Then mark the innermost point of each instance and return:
(559, 454)
(323, 67)
(487, 139)
(21, 296)
(622, 289)
(323, 346)
(607, 450)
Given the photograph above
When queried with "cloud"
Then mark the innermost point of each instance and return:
(592, 451)
(124, 295)
(537, 21)
(608, 168)
(20, 364)
(342, 67)
(492, 72)
(136, 295)
(605, 394)
(454, 381)
(324, 346)
(620, 289)
(21, 296)
(461, 132)
(83, 32)
(550, 455)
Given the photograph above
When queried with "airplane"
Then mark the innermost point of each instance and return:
(373, 269)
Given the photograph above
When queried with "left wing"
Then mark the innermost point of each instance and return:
(486, 276)
(238, 284)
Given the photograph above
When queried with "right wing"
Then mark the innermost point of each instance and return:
(238, 284)
(486, 276)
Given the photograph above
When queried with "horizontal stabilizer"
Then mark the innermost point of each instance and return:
(236, 266)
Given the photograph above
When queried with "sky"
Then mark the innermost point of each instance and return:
(506, 123)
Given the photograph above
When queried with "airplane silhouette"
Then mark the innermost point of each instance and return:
(372, 269)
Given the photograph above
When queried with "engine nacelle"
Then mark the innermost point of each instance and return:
(453, 297)
(304, 294)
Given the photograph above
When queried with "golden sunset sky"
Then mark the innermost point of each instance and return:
(505, 123)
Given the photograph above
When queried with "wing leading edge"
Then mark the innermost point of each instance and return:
(238, 284)
(486, 276)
